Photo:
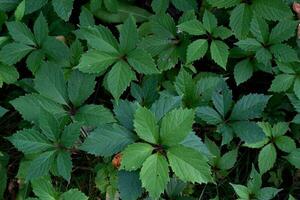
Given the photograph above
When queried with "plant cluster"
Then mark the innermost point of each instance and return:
(149, 99)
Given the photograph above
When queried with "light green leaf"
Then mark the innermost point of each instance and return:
(280, 129)
(107, 140)
(20, 33)
(30, 141)
(240, 19)
(119, 78)
(86, 18)
(155, 175)
(228, 160)
(63, 8)
(267, 193)
(146, 126)
(176, 125)
(142, 62)
(134, 156)
(266, 158)
(241, 190)
(196, 50)
(43, 188)
(189, 165)
(219, 52)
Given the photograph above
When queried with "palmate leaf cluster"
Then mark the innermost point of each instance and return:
(127, 99)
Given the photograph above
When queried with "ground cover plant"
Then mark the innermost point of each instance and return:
(149, 99)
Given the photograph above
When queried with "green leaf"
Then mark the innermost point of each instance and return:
(80, 87)
(30, 106)
(13, 52)
(20, 33)
(119, 78)
(185, 5)
(272, 10)
(50, 82)
(95, 61)
(266, 158)
(142, 62)
(280, 129)
(263, 56)
(294, 158)
(94, 115)
(223, 102)
(240, 19)
(73, 194)
(34, 5)
(296, 87)
(155, 175)
(49, 125)
(196, 50)
(107, 140)
(260, 29)
(249, 44)
(64, 165)
(219, 52)
(86, 18)
(30, 141)
(146, 126)
(159, 7)
(35, 60)
(285, 143)
(222, 32)
(8, 74)
(41, 165)
(267, 193)
(176, 125)
(134, 156)
(243, 71)
(189, 165)
(284, 53)
(248, 131)
(55, 49)
(282, 82)
(209, 115)
(283, 31)
(127, 44)
(250, 106)
(3, 111)
(43, 188)
(100, 38)
(70, 134)
(40, 29)
(192, 27)
(129, 185)
(63, 8)
(124, 111)
(223, 3)
(241, 191)
(209, 21)
(195, 142)
(228, 160)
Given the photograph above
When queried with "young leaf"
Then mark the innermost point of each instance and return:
(189, 164)
(134, 156)
(119, 78)
(176, 125)
(241, 191)
(146, 126)
(155, 175)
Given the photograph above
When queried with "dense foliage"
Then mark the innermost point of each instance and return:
(149, 99)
